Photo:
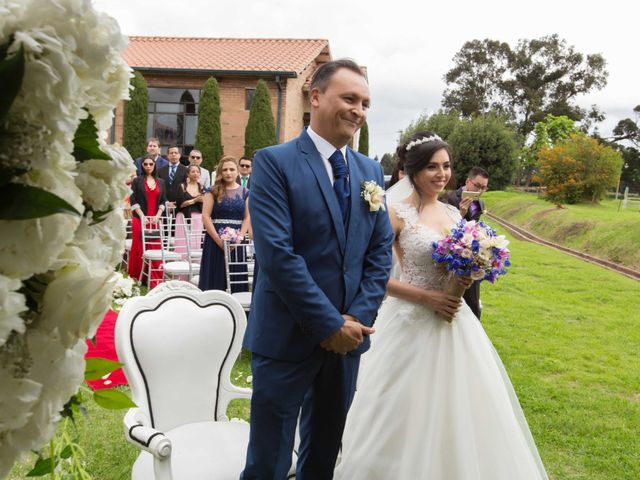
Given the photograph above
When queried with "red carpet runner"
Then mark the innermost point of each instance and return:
(105, 347)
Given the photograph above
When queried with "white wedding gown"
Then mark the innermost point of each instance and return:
(434, 401)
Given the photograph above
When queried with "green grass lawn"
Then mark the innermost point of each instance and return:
(568, 334)
(601, 230)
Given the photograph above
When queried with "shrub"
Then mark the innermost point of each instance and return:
(209, 133)
(579, 169)
(363, 144)
(261, 130)
(134, 136)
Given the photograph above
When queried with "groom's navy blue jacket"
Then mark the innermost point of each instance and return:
(313, 268)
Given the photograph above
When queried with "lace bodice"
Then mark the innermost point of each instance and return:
(418, 268)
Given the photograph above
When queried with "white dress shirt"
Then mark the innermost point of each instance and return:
(326, 150)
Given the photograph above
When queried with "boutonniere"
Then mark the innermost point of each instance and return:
(373, 195)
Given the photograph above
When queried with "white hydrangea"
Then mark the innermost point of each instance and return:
(12, 303)
(73, 67)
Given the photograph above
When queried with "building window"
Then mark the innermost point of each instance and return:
(248, 97)
(173, 117)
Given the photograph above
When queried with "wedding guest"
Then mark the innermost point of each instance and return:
(195, 158)
(244, 178)
(397, 174)
(148, 197)
(174, 174)
(191, 193)
(470, 209)
(153, 149)
(224, 206)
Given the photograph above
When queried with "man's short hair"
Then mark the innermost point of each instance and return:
(246, 158)
(173, 146)
(325, 71)
(153, 139)
(475, 171)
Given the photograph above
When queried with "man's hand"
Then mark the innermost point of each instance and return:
(465, 203)
(348, 338)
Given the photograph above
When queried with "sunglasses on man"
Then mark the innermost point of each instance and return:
(195, 157)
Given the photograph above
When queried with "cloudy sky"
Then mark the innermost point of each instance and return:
(408, 45)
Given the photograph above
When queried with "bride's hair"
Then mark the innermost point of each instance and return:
(421, 147)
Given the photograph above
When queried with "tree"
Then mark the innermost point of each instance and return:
(526, 83)
(134, 136)
(631, 169)
(261, 130)
(442, 123)
(388, 163)
(363, 144)
(579, 169)
(209, 133)
(486, 141)
(546, 134)
(628, 129)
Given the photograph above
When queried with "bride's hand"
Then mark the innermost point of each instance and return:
(443, 303)
(465, 281)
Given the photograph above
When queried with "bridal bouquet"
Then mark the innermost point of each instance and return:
(61, 76)
(473, 249)
(231, 235)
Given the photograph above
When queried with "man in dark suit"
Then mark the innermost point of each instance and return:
(244, 177)
(477, 181)
(173, 175)
(153, 149)
(325, 259)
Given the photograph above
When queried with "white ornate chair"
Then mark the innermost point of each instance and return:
(239, 265)
(178, 346)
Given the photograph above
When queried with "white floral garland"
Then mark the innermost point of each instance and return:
(73, 66)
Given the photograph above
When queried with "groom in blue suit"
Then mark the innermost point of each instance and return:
(324, 259)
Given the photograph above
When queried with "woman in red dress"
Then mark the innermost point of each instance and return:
(148, 197)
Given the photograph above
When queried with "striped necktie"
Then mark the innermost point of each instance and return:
(172, 173)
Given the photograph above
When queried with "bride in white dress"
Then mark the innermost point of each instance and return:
(433, 401)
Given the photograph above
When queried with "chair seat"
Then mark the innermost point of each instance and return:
(244, 298)
(157, 255)
(195, 280)
(202, 451)
(180, 267)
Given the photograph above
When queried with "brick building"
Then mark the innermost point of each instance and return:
(176, 68)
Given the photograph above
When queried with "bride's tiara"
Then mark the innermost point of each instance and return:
(420, 141)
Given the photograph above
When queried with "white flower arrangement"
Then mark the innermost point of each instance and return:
(125, 288)
(373, 195)
(420, 141)
(58, 251)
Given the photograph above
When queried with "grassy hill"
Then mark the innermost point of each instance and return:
(600, 230)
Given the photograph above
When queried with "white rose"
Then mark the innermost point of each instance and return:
(76, 300)
(12, 304)
(59, 371)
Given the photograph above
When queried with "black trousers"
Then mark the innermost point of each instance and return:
(472, 297)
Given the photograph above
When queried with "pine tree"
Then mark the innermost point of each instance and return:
(134, 137)
(209, 133)
(261, 130)
(363, 144)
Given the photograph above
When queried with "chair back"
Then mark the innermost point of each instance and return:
(178, 347)
(239, 263)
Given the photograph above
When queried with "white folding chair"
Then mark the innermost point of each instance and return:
(239, 263)
(128, 242)
(153, 260)
(178, 346)
(187, 265)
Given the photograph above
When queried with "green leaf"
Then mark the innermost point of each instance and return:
(100, 216)
(43, 466)
(22, 202)
(66, 452)
(11, 74)
(98, 367)
(112, 399)
(85, 142)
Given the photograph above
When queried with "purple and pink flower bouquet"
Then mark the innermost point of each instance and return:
(473, 249)
(231, 235)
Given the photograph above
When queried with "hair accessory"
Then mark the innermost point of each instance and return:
(422, 140)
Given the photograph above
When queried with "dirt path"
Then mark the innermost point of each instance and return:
(522, 234)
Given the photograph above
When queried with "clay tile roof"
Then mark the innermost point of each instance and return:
(231, 54)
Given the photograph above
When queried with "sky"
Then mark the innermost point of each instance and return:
(408, 45)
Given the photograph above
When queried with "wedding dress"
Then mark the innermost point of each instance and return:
(434, 401)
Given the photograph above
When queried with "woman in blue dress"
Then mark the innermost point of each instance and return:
(224, 206)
